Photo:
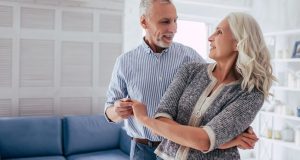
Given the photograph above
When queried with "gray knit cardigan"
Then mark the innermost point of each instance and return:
(226, 113)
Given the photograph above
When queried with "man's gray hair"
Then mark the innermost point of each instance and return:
(146, 4)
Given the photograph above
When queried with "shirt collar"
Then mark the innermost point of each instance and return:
(149, 50)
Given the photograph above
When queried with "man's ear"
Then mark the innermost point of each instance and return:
(143, 22)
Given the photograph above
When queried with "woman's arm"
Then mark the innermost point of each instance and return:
(245, 140)
(188, 136)
(234, 119)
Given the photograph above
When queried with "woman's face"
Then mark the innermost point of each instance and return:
(222, 43)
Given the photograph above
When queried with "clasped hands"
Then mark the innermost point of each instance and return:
(127, 107)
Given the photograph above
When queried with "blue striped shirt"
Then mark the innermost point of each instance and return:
(143, 75)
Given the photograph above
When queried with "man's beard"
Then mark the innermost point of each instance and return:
(162, 44)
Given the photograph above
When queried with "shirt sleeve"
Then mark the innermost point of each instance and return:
(234, 119)
(117, 87)
(168, 106)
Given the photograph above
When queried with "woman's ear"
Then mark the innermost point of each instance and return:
(235, 46)
(143, 22)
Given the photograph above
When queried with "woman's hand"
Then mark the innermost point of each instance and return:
(139, 111)
(245, 140)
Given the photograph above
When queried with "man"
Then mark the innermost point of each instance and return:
(145, 73)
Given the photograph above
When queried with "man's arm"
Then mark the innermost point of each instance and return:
(116, 108)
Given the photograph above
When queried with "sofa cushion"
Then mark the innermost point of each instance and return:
(40, 158)
(84, 134)
(30, 137)
(114, 154)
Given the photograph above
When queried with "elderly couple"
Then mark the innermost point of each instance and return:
(175, 105)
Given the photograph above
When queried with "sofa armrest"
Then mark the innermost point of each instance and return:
(30, 136)
(125, 141)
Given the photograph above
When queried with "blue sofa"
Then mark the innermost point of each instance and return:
(67, 138)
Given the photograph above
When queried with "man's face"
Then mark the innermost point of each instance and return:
(160, 25)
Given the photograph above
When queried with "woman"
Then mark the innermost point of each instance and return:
(208, 105)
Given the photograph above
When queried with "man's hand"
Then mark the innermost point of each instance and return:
(123, 108)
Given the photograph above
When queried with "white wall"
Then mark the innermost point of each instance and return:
(132, 29)
(57, 55)
(277, 15)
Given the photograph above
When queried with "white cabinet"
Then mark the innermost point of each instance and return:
(278, 123)
(276, 142)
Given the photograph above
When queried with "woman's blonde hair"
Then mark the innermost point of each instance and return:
(253, 61)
